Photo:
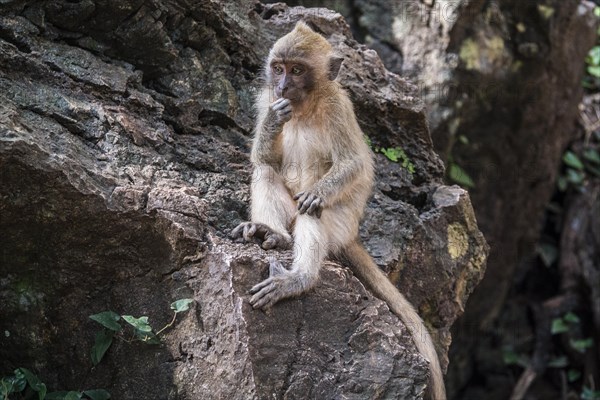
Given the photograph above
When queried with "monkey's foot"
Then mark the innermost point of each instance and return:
(309, 203)
(280, 284)
(261, 234)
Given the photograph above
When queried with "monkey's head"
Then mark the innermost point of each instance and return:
(299, 63)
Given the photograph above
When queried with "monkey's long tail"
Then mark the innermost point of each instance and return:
(363, 265)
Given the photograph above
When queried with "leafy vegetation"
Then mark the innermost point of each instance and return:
(459, 175)
(394, 154)
(27, 385)
(24, 384)
(140, 329)
(577, 169)
(592, 79)
(398, 155)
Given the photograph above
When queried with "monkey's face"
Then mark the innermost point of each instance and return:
(292, 80)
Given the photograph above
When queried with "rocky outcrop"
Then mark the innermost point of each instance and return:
(124, 134)
(502, 82)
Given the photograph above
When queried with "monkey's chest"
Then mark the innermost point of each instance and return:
(306, 157)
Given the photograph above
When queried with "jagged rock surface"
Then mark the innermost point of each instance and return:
(124, 133)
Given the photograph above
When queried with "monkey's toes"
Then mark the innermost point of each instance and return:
(263, 284)
(262, 293)
(237, 231)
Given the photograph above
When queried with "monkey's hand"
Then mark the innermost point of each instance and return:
(280, 284)
(280, 112)
(309, 203)
(261, 234)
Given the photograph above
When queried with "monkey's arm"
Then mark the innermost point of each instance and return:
(269, 126)
(335, 185)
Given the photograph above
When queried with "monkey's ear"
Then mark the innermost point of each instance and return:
(334, 67)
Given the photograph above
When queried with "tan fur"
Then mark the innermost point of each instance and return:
(320, 150)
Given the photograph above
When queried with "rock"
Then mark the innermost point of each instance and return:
(124, 134)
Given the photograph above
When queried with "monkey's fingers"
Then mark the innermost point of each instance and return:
(280, 104)
(301, 199)
(305, 202)
(315, 207)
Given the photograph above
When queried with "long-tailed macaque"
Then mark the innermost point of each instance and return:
(313, 176)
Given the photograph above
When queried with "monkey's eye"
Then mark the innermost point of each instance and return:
(277, 69)
(297, 70)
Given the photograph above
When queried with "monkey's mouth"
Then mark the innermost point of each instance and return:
(291, 96)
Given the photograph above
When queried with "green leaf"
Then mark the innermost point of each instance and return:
(589, 394)
(147, 337)
(573, 375)
(97, 394)
(562, 183)
(572, 160)
(12, 384)
(559, 326)
(592, 155)
(42, 391)
(593, 57)
(181, 305)
(548, 253)
(102, 343)
(34, 383)
(107, 319)
(559, 362)
(391, 154)
(368, 141)
(56, 395)
(64, 395)
(458, 175)
(594, 71)
(19, 381)
(73, 396)
(141, 323)
(511, 358)
(571, 318)
(575, 177)
(6, 387)
(397, 154)
(597, 11)
(594, 170)
(581, 345)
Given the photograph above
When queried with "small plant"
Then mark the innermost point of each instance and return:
(27, 385)
(510, 357)
(142, 331)
(397, 155)
(590, 394)
(578, 168)
(563, 325)
(592, 79)
(459, 175)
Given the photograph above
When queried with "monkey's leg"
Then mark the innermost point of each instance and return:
(272, 211)
(310, 248)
